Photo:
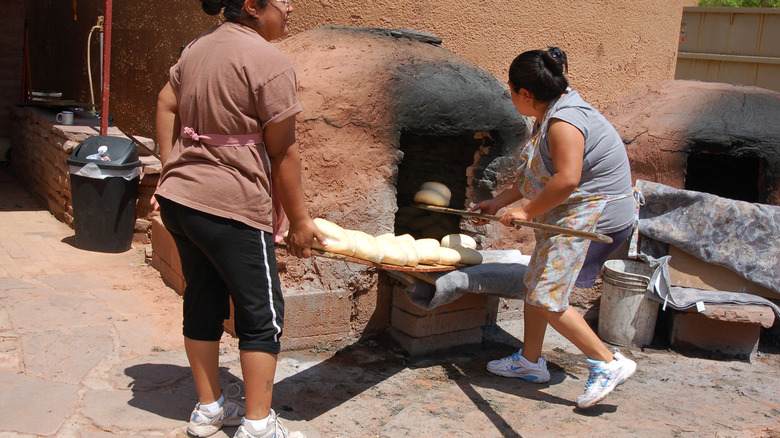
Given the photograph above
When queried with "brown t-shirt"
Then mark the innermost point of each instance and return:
(230, 81)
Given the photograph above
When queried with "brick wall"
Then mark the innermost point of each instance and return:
(40, 149)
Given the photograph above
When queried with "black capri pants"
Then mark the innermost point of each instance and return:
(222, 258)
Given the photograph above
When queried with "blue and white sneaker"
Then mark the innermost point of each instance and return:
(521, 368)
(604, 378)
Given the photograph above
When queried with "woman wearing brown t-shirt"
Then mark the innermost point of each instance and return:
(226, 129)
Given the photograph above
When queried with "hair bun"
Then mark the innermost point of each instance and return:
(555, 52)
(555, 59)
(212, 7)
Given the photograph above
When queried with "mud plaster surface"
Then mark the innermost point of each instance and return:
(360, 388)
(370, 389)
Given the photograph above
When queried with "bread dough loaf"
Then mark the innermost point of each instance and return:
(427, 243)
(439, 187)
(394, 254)
(453, 240)
(469, 256)
(431, 197)
(412, 257)
(407, 237)
(448, 256)
(428, 250)
(339, 241)
(366, 246)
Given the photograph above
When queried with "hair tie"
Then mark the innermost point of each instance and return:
(554, 51)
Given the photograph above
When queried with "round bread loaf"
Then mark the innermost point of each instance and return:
(453, 240)
(469, 256)
(431, 197)
(339, 241)
(439, 187)
(448, 256)
(366, 246)
(394, 254)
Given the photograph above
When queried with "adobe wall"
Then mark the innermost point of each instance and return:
(663, 124)
(614, 48)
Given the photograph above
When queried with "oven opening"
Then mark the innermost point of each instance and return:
(457, 161)
(728, 176)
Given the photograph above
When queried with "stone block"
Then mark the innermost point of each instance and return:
(316, 317)
(728, 335)
(165, 256)
(311, 319)
(467, 301)
(509, 309)
(748, 314)
(371, 308)
(435, 323)
(421, 331)
(170, 276)
(432, 344)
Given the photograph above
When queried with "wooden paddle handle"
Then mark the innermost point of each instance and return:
(543, 227)
(566, 231)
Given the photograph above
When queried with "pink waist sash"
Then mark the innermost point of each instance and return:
(280, 223)
(223, 140)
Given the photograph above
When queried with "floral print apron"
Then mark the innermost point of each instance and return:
(557, 259)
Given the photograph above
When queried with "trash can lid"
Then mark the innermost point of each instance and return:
(121, 153)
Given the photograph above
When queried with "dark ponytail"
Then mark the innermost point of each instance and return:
(541, 72)
(233, 9)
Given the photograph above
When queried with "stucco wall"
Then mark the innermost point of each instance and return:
(614, 47)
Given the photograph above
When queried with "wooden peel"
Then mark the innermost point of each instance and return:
(544, 227)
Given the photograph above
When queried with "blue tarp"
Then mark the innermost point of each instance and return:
(737, 235)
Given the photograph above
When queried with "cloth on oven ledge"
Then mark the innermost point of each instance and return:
(500, 273)
(740, 236)
(660, 289)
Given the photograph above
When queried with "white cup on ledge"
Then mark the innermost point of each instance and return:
(65, 118)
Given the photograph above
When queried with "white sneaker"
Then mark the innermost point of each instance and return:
(519, 367)
(605, 377)
(275, 429)
(203, 423)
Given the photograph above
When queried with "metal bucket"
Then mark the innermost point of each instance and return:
(632, 270)
(626, 317)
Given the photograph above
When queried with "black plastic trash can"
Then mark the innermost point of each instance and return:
(104, 188)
